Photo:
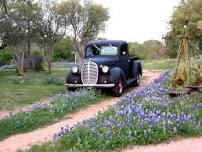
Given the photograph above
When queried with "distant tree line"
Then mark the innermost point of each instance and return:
(189, 14)
(151, 49)
(55, 29)
(47, 26)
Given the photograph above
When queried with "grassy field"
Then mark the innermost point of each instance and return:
(158, 64)
(44, 114)
(164, 64)
(18, 91)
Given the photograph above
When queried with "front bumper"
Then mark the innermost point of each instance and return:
(90, 85)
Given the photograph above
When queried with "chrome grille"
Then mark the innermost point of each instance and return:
(89, 72)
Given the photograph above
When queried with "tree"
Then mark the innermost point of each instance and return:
(52, 27)
(32, 15)
(84, 22)
(14, 30)
(3, 6)
(151, 49)
(188, 13)
(155, 49)
(63, 49)
(137, 49)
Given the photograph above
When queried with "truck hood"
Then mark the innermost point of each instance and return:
(105, 60)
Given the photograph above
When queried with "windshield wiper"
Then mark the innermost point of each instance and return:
(110, 45)
(96, 47)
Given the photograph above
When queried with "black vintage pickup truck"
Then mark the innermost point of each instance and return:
(106, 65)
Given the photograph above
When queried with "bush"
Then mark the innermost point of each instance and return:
(5, 56)
(62, 50)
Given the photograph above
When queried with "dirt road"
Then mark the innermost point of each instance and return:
(23, 141)
(184, 145)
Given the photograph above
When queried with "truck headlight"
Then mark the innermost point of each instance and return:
(105, 69)
(75, 69)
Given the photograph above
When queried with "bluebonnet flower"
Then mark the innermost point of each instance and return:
(139, 113)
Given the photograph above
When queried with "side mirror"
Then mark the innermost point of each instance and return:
(124, 53)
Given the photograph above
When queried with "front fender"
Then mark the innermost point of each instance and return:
(71, 78)
(115, 75)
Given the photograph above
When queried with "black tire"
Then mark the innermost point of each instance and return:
(118, 89)
(137, 81)
(71, 89)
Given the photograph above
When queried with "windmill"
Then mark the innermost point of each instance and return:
(182, 73)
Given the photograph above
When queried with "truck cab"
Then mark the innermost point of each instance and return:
(106, 64)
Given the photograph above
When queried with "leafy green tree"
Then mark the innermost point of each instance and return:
(188, 13)
(52, 27)
(63, 50)
(84, 22)
(151, 49)
(32, 15)
(137, 49)
(155, 49)
(15, 31)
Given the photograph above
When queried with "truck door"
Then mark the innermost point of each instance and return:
(124, 56)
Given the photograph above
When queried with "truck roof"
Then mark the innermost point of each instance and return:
(117, 43)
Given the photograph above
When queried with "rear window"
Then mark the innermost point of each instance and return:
(108, 50)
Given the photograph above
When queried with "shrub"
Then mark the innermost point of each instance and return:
(52, 79)
(5, 56)
(62, 50)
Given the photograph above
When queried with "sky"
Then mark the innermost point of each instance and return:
(138, 20)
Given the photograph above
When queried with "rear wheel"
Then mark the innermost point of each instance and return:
(118, 89)
(137, 81)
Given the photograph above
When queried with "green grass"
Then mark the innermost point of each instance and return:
(18, 91)
(164, 64)
(158, 64)
(27, 121)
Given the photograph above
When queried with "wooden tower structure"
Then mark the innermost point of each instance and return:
(183, 72)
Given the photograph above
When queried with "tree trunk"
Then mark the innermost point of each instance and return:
(21, 70)
(78, 48)
(19, 61)
(79, 51)
(5, 6)
(49, 54)
(49, 65)
(28, 38)
(28, 47)
(20, 67)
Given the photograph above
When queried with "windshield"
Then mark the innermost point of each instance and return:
(101, 50)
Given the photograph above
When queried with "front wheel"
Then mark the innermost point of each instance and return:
(71, 89)
(118, 89)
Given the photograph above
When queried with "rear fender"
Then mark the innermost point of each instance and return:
(137, 68)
